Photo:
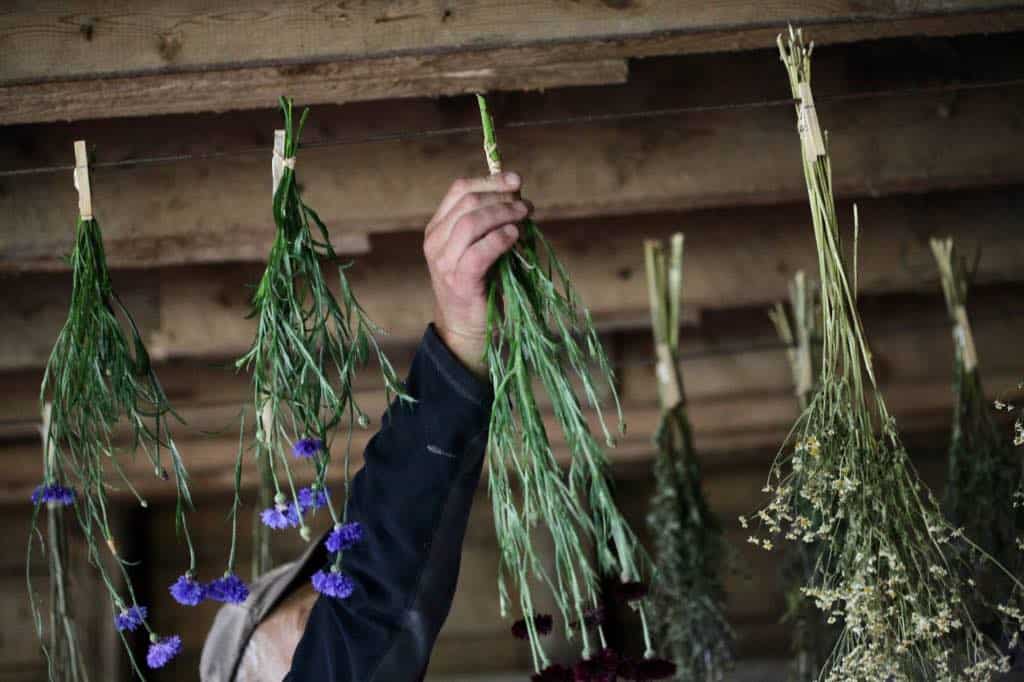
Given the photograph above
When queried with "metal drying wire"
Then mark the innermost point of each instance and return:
(582, 119)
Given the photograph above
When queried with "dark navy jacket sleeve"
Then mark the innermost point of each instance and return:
(413, 498)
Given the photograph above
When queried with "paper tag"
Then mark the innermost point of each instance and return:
(668, 384)
(807, 124)
(964, 339)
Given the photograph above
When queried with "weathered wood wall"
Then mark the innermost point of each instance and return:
(927, 135)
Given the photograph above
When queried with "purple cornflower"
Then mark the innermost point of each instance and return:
(54, 493)
(130, 618)
(280, 516)
(344, 536)
(311, 499)
(333, 583)
(542, 624)
(162, 649)
(229, 589)
(187, 590)
(307, 447)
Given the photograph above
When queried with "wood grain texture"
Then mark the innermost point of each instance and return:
(53, 40)
(259, 87)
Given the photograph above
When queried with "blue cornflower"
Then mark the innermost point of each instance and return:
(130, 618)
(55, 493)
(162, 649)
(333, 583)
(187, 590)
(307, 447)
(344, 536)
(311, 499)
(280, 516)
(229, 589)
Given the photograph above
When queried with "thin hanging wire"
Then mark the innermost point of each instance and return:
(582, 119)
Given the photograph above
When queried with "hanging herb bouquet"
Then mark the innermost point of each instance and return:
(540, 332)
(888, 564)
(983, 489)
(812, 638)
(687, 599)
(98, 375)
(309, 345)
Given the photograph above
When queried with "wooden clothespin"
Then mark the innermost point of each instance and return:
(807, 124)
(82, 180)
(277, 163)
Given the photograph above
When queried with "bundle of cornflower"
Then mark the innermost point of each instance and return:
(812, 638)
(539, 330)
(308, 347)
(889, 562)
(98, 375)
(984, 477)
(687, 599)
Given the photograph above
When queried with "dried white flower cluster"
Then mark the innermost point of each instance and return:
(890, 570)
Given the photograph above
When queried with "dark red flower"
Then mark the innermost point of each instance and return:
(553, 673)
(630, 591)
(592, 618)
(599, 668)
(646, 669)
(541, 623)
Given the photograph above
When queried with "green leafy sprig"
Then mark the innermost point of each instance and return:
(98, 376)
(984, 480)
(308, 347)
(539, 331)
(889, 566)
(687, 600)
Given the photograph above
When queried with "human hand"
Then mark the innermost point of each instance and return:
(474, 225)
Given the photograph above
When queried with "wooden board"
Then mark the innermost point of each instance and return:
(727, 250)
(81, 53)
(217, 209)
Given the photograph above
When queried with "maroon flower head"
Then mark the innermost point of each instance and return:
(630, 591)
(599, 668)
(646, 669)
(553, 673)
(542, 623)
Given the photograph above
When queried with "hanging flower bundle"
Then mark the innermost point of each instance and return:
(812, 637)
(687, 599)
(540, 332)
(889, 565)
(99, 375)
(309, 345)
(983, 494)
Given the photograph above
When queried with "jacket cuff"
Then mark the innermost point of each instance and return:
(463, 382)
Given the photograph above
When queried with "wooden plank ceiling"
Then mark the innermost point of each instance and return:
(87, 58)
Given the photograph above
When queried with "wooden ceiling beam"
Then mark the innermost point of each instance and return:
(85, 59)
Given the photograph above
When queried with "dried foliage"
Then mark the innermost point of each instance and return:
(890, 565)
(687, 597)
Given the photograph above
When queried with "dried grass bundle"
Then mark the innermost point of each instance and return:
(889, 568)
(687, 598)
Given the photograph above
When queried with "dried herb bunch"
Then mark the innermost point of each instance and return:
(99, 375)
(983, 487)
(812, 637)
(687, 599)
(889, 563)
(540, 332)
(308, 347)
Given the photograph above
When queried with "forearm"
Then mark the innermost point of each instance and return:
(413, 498)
